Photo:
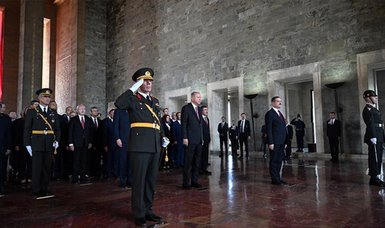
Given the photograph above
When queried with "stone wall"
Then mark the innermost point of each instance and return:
(191, 43)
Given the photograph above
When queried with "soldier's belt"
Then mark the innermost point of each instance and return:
(379, 125)
(42, 132)
(147, 125)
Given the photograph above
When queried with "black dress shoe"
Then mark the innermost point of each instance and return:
(196, 185)
(153, 218)
(140, 221)
(276, 183)
(284, 182)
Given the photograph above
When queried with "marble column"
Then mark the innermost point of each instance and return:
(30, 51)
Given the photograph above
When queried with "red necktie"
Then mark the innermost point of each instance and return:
(207, 120)
(95, 123)
(280, 115)
(196, 111)
(82, 121)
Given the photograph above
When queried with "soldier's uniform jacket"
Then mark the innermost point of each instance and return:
(38, 133)
(142, 139)
(374, 124)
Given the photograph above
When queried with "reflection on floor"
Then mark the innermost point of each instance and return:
(239, 194)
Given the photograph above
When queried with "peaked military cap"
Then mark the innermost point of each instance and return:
(370, 93)
(44, 92)
(143, 73)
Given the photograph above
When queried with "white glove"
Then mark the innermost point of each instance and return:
(136, 86)
(55, 144)
(29, 149)
(165, 142)
(374, 140)
(8, 152)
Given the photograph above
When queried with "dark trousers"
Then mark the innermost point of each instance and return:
(124, 172)
(205, 156)
(234, 147)
(144, 169)
(58, 163)
(299, 142)
(276, 158)
(243, 140)
(68, 158)
(25, 171)
(375, 159)
(288, 149)
(80, 163)
(192, 160)
(3, 170)
(223, 142)
(95, 156)
(41, 170)
(334, 150)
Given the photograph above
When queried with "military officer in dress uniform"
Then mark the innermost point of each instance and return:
(144, 143)
(374, 136)
(41, 136)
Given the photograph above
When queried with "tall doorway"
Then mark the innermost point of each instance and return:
(300, 103)
(225, 98)
(299, 87)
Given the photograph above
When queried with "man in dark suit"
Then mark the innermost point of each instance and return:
(206, 141)
(121, 134)
(333, 132)
(80, 141)
(192, 140)
(177, 138)
(95, 153)
(144, 143)
(67, 153)
(110, 147)
(41, 136)
(5, 145)
(223, 128)
(244, 134)
(374, 136)
(276, 137)
(289, 138)
(233, 135)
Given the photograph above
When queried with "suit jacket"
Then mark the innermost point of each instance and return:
(233, 133)
(206, 131)
(223, 130)
(275, 128)
(246, 129)
(333, 130)
(192, 124)
(108, 134)
(142, 139)
(177, 132)
(78, 136)
(372, 117)
(97, 133)
(34, 121)
(121, 126)
(5, 133)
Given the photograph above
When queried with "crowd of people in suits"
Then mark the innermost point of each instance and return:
(89, 147)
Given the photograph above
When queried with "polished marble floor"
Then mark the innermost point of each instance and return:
(238, 194)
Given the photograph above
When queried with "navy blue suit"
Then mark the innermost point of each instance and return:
(122, 129)
(276, 135)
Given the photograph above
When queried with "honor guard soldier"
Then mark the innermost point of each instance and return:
(144, 143)
(374, 136)
(41, 136)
